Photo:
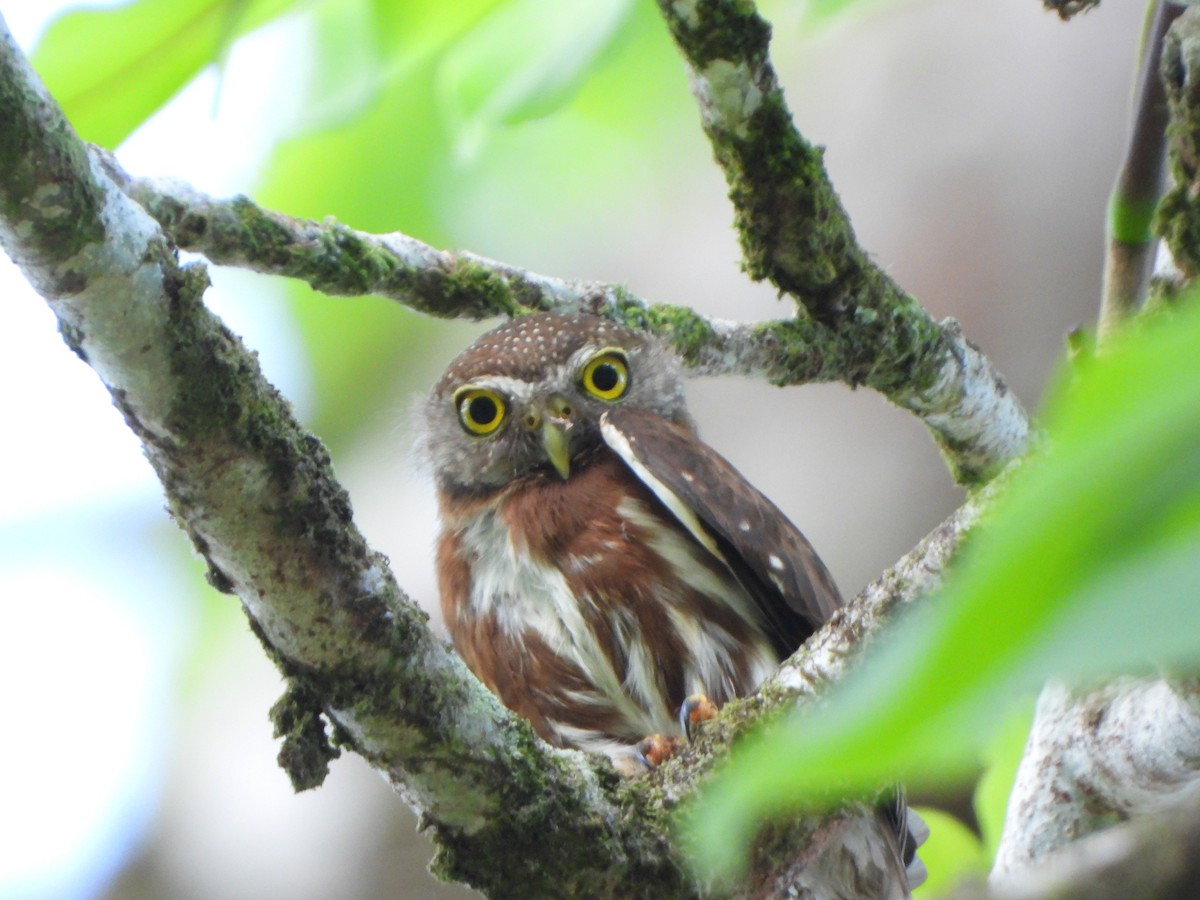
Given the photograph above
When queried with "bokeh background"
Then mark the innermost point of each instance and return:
(973, 144)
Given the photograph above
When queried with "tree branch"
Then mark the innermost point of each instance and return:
(1096, 757)
(1105, 754)
(854, 324)
(1179, 212)
(1131, 240)
(256, 495)
(978, 423)
(795, 233)
(1151, 858)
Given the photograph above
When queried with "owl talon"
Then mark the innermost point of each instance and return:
(655, 750)
(695, 709)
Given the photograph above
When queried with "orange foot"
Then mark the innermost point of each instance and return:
(696, 709)
(655, 750)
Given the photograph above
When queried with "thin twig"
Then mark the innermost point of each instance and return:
(1129, 259)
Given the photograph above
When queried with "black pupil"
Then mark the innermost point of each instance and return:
(482, 410)
(605, 377)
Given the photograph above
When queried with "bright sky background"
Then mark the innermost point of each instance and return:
(86, 645)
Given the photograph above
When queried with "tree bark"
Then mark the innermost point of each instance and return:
(256, 495)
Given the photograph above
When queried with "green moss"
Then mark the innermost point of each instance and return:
(1178, 219)
(467, 288)
(306, 751)
(524, 851)
(689, 334)
(48, 194)
(724, 30)
(256, 231)
(207, 396)
(800, 351)
(907, 348)
(1179, 224)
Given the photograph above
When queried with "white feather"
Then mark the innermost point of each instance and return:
(620, 445)
(522, 594)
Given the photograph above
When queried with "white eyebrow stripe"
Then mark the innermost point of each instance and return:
(504, 384)
(518, 389)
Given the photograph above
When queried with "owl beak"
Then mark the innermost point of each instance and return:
(556, 422)
(554, 439)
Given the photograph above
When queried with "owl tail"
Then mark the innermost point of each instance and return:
(909, 830)
(916, 832)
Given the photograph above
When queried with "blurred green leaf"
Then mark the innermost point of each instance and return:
(365, 46)
(343, 75)
(374, 171)
(523, 61)
(1002, 756)
(111, 69)
(391, 166)
(1087, 565)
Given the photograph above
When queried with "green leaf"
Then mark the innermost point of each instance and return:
(111, 69)
(363, 47)
(1002, 756)
(375, 171)
(521, 62)
(1086, 566)
(390, 167)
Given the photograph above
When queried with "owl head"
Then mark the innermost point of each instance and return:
(527, 398)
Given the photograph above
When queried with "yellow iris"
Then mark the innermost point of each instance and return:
(481, 410)
(606, 375)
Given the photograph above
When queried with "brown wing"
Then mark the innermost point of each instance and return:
(767, 553)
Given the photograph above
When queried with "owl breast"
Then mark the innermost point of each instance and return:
(587, 608)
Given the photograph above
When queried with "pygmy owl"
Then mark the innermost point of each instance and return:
(598, 563)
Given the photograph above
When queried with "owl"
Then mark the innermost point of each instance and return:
(602, 570)
(599, 564)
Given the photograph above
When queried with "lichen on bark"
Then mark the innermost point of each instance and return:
(1178, 219)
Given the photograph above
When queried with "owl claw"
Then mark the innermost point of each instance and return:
(695, 709)
(655, 750)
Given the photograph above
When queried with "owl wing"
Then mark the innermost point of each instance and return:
(732, 519)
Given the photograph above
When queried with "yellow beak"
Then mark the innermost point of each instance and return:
(554, 439)
(555, 421)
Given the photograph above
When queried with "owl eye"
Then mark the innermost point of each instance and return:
(481, 410)
(606, 375)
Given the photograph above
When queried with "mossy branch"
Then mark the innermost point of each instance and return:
(1179, 213)
(1066, 9)
(256, 495)
(977, 422)
(795, 233)
(854, 324)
